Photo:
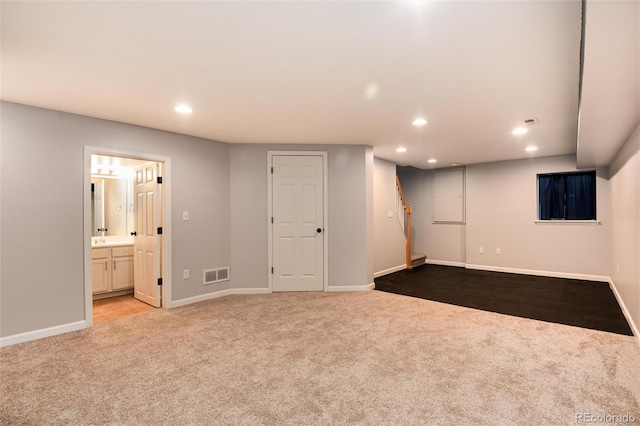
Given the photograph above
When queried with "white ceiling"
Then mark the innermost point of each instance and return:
(310, 72)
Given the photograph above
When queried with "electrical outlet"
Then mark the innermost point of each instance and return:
(498, 251)
(390, 213)
(481, 250)
(185, 274)
(617, 268)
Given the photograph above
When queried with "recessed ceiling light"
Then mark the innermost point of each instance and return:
(432, 160)
(520, 131)
(183, 109)
(371, 91)
(531, 148)
(455, 164)
(419, 122)
(401, 149)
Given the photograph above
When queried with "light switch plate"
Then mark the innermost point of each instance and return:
(185, 215)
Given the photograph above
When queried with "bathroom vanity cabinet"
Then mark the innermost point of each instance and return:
(112, 269)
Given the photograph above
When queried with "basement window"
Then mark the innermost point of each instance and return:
(567, 196)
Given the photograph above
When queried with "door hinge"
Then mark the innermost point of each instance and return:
(159, 179)
(271, 219)
(159, 281)
(272, 269)
(160, 230)
(272, 170)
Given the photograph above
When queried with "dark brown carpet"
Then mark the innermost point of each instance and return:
(578, 303)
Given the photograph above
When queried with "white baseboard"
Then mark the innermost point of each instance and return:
(367, 287)
(444, 263)
(262, 290)
(625, 311)
(585, 277)
(390, 270)
(200, 298)
(39, 334)
(216, 294)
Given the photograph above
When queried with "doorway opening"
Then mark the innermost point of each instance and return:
(127, 240)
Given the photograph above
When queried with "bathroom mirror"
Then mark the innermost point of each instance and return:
(109, 207)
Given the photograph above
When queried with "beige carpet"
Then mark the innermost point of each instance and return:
(320, 359)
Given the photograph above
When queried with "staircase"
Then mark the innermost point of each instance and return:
(417, 259)
(412, 259)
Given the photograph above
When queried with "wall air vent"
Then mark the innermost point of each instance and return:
(531, 121)
(223, 274)
(211, 276)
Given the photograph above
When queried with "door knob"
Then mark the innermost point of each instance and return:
(134, 233)
(319, 230)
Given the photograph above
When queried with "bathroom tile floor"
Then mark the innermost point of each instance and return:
(116, 307)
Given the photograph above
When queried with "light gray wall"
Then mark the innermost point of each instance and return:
(41, 216)
(625, 224)
(441, 242)
(249, 204)
(348, 207)
(501, 210)
(389, 241)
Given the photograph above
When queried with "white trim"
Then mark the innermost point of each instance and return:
(166, 234)
(444, 263)
(262, 290)
(200, 298)
(625, 311)
(39, 334)
(585, 277)
(219, 293)
(325, 233)
(338, 288)
(389, 270)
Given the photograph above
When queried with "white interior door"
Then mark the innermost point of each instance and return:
(146, 254)
(298, 223)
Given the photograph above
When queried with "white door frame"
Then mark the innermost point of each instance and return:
(166, 228)
(325, 233)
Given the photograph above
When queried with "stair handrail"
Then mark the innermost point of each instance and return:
(407, 210)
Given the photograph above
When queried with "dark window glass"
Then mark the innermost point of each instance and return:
(567, 196)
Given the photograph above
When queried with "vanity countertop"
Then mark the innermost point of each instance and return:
(111, 244)
(98, 242)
